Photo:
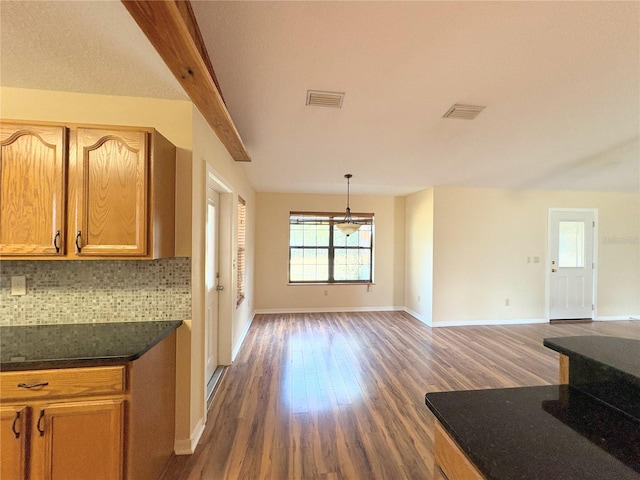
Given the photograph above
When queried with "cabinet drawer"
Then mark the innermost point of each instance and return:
(43, 384)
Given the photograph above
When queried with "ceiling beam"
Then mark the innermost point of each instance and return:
(172, 29)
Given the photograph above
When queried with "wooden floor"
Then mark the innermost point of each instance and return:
(341, 396)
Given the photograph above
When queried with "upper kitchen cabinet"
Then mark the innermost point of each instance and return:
(109, 191)
(33, 163)
(120, 200)
(122, 194)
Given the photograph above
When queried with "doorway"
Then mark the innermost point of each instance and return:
(213, 368)
(572, 263)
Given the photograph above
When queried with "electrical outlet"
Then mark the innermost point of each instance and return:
(18, 285)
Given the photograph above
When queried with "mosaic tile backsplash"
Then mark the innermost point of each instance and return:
(96, 291)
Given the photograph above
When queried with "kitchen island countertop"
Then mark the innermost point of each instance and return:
(540, 433)
(586, 430)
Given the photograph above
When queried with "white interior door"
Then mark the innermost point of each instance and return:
(571, 264)
(211, 283)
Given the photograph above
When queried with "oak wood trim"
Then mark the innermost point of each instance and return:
(190, 20)
(171, 29)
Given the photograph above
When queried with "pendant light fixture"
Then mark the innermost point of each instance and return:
(348, 226)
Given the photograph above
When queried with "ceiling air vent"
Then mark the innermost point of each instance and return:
(317, 98)
(466, 112)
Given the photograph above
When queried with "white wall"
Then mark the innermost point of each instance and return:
(272, 255)
(482, 238)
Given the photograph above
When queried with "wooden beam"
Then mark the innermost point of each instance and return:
(172, 29)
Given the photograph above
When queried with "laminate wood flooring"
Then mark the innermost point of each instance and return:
(333, 396)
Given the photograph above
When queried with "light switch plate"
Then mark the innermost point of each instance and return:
(18, 285)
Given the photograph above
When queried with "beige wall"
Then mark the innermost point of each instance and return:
(482, 238)
(272, 255)
(418, 298)
(209, 156)
(208, 149)
(172, 118)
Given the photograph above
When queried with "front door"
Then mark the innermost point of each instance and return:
(571, 264)
(211, 283)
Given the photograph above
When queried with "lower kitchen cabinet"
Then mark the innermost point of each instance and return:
(13, 441)
(98, 423)
(78, 440)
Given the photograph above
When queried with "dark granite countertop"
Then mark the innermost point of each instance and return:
(607, 368)
(547, 432)
(622, 354)
(76, 345)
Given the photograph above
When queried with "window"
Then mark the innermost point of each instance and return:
(571, 244)
(320, 253)
(240, 263)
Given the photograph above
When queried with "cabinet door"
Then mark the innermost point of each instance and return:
(32, 198)
(111, 186)
(13, 442)
(78, 441)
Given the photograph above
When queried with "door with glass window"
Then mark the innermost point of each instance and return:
(571, 264)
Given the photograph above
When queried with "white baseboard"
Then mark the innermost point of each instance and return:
(615, 318)
(236, 348)
(479, 322)
(328, 310)
(422, 318)
(188, 445)
(468, 323)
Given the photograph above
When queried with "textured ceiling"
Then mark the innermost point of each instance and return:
(560, 82)
(80, 46)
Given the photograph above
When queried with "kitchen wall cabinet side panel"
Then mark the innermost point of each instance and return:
(33, 161)
(162, 197)
(14, 427)
(111, 192)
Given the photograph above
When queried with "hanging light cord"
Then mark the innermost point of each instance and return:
(347, 217)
